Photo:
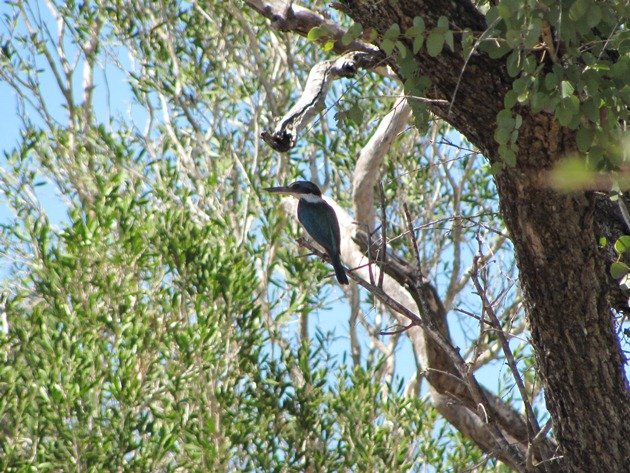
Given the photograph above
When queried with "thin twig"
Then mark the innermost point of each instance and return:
(539, 438)
(472, 50)
(532, 424)
(412, 234)
(397, 331)
(383, 233)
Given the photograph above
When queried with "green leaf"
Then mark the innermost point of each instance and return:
(551, 81)
(622, 245)
(393, 32)
(417, 43)
(505, 119)
(442, 22)
(510, 99)
(468, 42)
(355, 113)
(532, 33)
(317, 32)
(407, 65)
(513, 63)
(387, 45)
(496, 168)
(414, 31)
(502, 135)
(509, 157)
(567, 110)
(594, 15)
(416, 86)
(566, 88)
(356, 29)
(492, 15)
(584, 138)
(619, 269)
(579, 9)
(538, 101)
(520, 85)
(590, 109)
(329, 45)
(402, 49)
(449, 40)
(435, 42)
(420, 110)
(504, 10)
(495, 48)
(353, 33)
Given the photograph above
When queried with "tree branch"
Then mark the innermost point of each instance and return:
(286, 16)
(312, 100)
(367, 167)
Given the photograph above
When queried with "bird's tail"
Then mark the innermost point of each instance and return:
(339, 271)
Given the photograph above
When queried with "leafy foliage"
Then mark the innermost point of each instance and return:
(576, 74)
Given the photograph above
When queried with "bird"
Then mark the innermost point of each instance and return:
(318, 219)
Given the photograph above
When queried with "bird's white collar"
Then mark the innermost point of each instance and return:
(311, 198)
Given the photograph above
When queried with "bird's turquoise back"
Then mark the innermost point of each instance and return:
(320, 221)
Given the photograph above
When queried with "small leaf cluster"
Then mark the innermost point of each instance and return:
(323, 35)
(506, 134)
(396, 42)
(566, 58)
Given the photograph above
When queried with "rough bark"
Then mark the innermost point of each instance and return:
(563, 272)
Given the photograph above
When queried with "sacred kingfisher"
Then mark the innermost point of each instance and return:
(318, 219)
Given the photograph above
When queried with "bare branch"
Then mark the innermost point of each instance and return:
(313, 97)
(355, 346)
(285, 16)
(367, 167)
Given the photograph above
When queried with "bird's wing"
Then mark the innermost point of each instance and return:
(313, 218)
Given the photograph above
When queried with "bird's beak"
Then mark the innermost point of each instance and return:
(279, 190)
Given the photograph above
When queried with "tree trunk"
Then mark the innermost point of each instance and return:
(563, 272)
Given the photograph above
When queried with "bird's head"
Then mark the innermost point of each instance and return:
(300, 189)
